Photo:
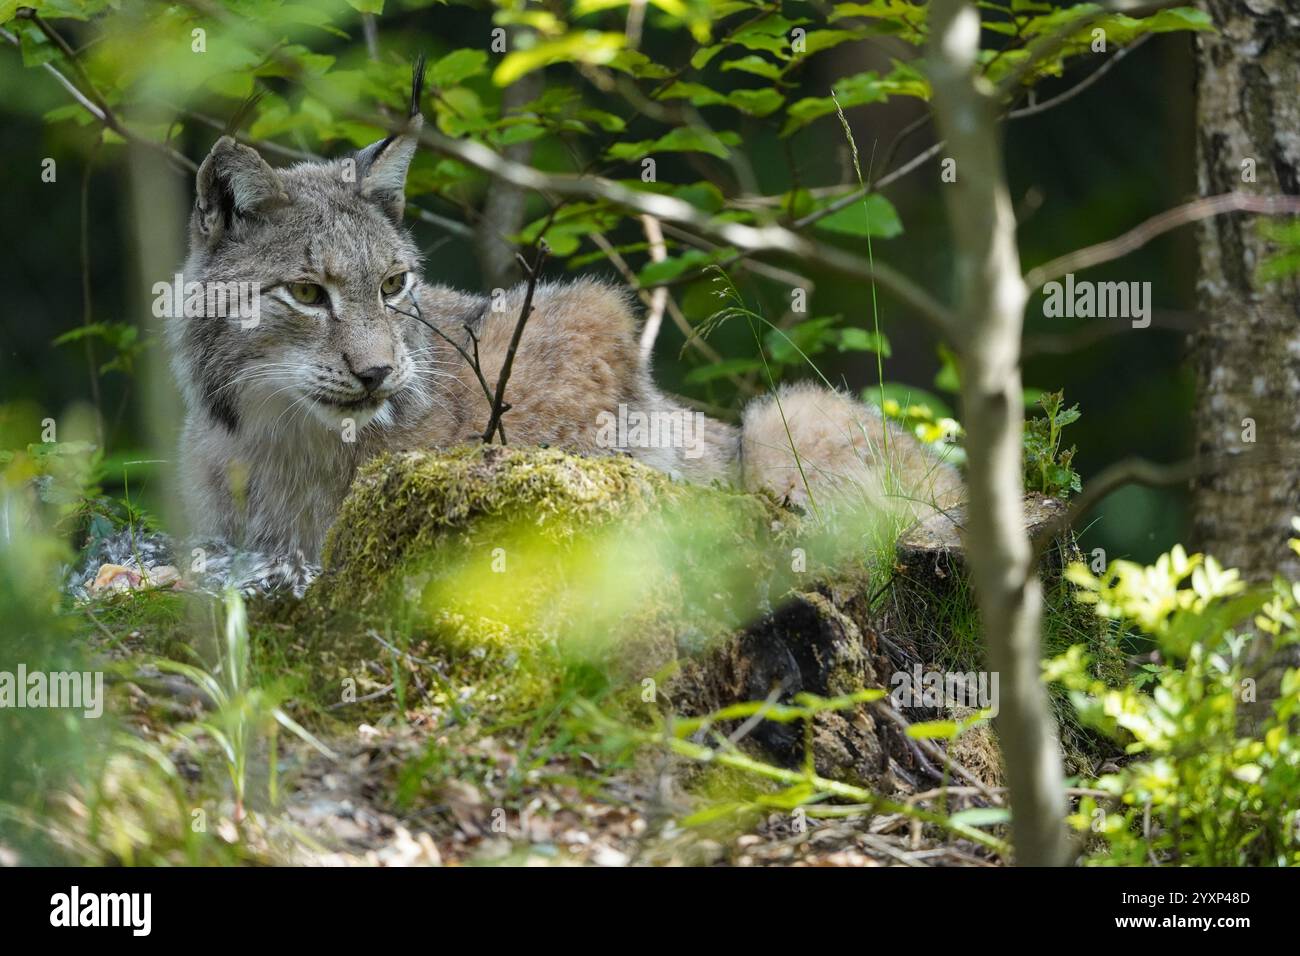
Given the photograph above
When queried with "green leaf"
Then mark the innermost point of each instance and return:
(585, 46)
(874, 216)
(895, 17)
(776, 45)
(35, 48)
(948, 378)
(858, 90)
(673, 266)
(756, 102)
(981, 816)
(697, 93)
(819, 40)
(793, 345)
(564, 234)
(703, 196)
(930, 729)
(235, 86)
(755, 65)
(701, 57)
(861, 340)
(367, 6)
(637, 64)
(459, 111)
(456, 67)
(683, 139)
(723, 369)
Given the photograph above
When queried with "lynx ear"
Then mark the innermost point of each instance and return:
(382, 166)
(234, 183)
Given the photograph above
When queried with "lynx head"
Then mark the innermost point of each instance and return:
(335, 273)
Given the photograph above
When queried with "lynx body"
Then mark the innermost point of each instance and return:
(342, 363)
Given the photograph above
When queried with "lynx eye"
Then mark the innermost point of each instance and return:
(308, 293)
(393, 284)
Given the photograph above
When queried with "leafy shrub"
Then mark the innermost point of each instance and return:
(1202, 789)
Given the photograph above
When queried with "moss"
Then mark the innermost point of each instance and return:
(546, 560)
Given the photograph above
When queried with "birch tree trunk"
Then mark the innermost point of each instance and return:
(991, 298)
(1247, 353)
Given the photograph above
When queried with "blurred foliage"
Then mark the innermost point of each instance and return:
(1204, 788)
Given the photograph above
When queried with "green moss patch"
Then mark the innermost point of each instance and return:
(546, 560)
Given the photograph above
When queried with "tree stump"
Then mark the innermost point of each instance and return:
(931, 552)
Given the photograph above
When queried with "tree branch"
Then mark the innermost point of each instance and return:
(654, 235)
(1158, 225)
(102, 113)
(1130, 471)
(1034, 109)
(499, 406)
(992, 299)
(749, 239)
(1047, 45)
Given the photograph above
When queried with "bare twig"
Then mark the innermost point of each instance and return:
(1158, 225)
(499, 407)
(364, 698)
(935, 752)
(372, 633)
(471, 360)
(1035, 108)
(91, 362)
(659, 298)
(1130, 471)
(1065, 343)
(91, 100)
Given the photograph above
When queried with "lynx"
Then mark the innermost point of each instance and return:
(341, 363)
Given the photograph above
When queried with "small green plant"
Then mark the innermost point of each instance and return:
(803, 787)
(241, 713)
(1201, 790)
(123, 341)
(1047, 468)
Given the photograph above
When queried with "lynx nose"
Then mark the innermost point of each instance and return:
(374, 376)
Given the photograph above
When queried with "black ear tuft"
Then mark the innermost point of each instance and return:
(382, 166)
(417, 85)
(242, 113)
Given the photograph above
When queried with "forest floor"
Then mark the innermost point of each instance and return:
(654, 682)
(435, 778)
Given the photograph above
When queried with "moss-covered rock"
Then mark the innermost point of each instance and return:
(530, 569)
(525, 550)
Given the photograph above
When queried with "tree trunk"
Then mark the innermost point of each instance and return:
(506, 204)
(1247, 352)
(991, 297)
